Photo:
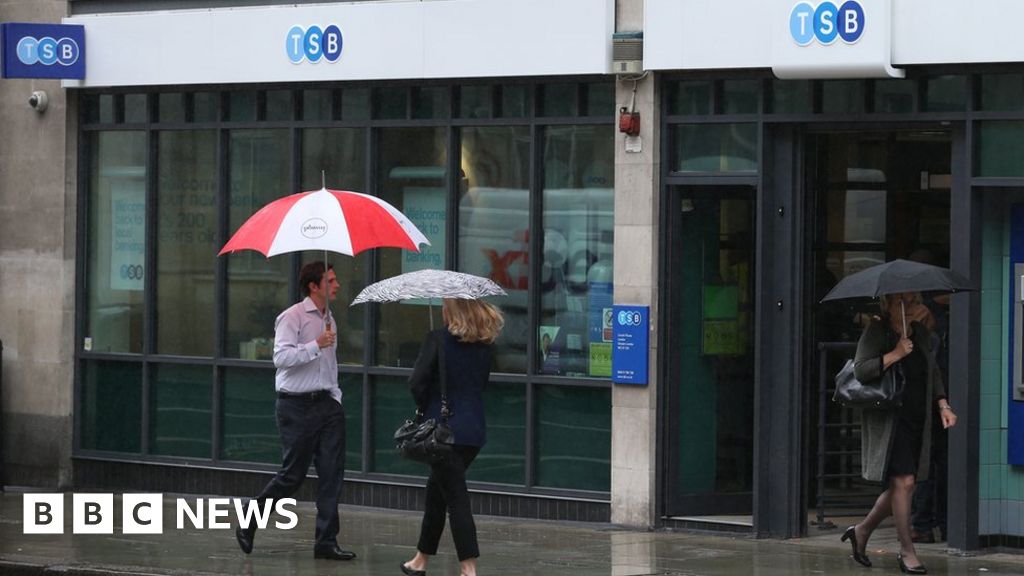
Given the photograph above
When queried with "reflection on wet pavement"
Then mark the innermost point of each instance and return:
(385, 538)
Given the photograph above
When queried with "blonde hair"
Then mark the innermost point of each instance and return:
(472, 320)
(886, 299)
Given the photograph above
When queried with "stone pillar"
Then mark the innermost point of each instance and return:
(37, 270)
(637, 193)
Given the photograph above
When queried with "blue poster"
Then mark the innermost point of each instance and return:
(630, 329)
(43, 50)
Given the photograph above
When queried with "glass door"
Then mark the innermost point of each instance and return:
(711, 350)
(873, 196)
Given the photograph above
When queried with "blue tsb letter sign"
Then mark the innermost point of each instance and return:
(826, 22)
(43, 51)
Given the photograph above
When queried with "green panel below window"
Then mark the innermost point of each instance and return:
(392, 405)
(573, 440)
(250, 425)
(503, 459)
(352, 400)
(111, 401)
(999, 148)
(180, 416)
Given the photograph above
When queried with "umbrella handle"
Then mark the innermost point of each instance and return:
(903, 313)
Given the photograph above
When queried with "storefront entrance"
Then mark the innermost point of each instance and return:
(872, 197)
(711, 385)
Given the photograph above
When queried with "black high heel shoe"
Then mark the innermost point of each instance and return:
(858, 556)
(919, 569)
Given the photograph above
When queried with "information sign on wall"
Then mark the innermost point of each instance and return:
(630, 325)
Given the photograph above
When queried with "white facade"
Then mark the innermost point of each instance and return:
(436, 39)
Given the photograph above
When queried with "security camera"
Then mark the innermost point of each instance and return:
(38, 100)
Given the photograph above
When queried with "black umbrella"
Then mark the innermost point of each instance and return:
(895, 277)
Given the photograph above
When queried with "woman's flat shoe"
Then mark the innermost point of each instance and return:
(858, 556)
(410, 572)
(919, 569)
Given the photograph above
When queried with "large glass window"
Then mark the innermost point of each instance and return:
(186, 225)
(998, 148)
(411, 176)
(338, 156)
(257, 286)
(574, 337)
(535, 178)
(494, 222)
(714, 148)
(117, 242)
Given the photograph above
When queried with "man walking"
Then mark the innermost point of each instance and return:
(310, 417)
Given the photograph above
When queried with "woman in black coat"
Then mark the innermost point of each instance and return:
(464, 344)
(896, 443)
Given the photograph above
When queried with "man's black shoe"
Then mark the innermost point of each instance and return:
(333, 553)
(245, 537)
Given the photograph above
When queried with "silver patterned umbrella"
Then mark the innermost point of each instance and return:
(429, 284)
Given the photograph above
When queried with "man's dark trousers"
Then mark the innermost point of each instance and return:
(312, 430)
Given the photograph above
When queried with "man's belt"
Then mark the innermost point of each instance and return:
(314, 396)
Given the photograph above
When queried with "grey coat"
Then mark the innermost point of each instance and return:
(877, 426)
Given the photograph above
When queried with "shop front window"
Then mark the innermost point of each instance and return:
(411, 176)
(186, 227)
(117, 241)
(494, 221)
(574, 338)
(257, 286)
(714, 148)
(337, 157)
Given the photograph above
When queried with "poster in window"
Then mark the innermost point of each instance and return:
(127, 234)
(425, 207)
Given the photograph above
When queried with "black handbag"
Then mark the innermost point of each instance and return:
(884, 394)
(428, 441)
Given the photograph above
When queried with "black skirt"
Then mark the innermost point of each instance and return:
(905, 453)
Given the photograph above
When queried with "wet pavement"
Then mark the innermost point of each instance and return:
(385, 538)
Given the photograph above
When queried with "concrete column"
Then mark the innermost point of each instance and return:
(634, 408)
(37, 270)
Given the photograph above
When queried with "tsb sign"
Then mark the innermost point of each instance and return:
(826, 22)
(313, 43)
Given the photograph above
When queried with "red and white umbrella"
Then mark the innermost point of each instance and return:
(331, 220)
(328, 220)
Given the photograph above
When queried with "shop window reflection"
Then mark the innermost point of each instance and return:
(494, 226)
(574, 337)
(117, 236)
(257, 286)
(411, 176)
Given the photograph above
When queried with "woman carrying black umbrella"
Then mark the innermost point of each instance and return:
(464, 345)
(896, 443)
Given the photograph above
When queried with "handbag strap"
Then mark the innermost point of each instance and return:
(442, 375)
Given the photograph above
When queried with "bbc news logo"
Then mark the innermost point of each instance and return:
(47, 51)
(313, 43)
(144, 513)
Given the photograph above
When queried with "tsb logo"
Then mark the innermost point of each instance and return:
(313, 43)
(47, 51)
(826, 22)
(629, 318)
